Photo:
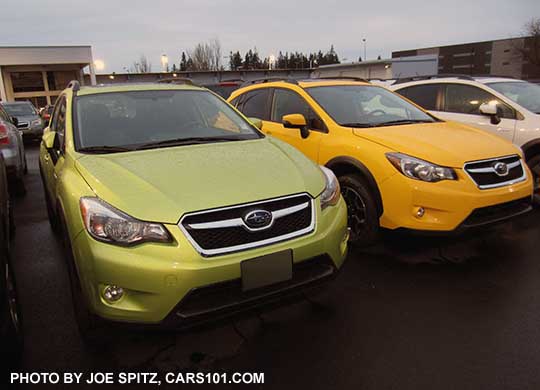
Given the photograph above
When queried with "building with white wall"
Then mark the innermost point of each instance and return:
(40, 73)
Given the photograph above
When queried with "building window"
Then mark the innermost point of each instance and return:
(27, 82)
(506, 63)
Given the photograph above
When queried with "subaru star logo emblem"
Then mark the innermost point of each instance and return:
(501, 169)
(258, 219)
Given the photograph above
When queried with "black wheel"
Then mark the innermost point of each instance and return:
(361, 209)
(91, 327)
(14, 337)
(53, 219)
(534, 165)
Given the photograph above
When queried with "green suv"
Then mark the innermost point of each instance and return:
(175, 209)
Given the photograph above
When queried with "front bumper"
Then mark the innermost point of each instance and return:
(32, 133)
(448, 205)
(156, 278)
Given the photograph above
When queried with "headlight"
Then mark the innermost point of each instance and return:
(105, 223)
(420, 169)
(36, 122)
(331, 193)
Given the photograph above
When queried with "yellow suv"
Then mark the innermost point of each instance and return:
(398, 166)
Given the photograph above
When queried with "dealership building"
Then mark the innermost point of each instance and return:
(502, 57)
(39, 73)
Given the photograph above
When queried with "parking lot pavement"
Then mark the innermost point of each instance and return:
(411, 313)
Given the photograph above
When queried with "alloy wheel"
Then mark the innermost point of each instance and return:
(356, 211)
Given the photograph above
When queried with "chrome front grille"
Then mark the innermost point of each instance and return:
(224, 230)
(496, 172)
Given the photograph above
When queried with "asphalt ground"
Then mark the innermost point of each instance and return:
(410, 313)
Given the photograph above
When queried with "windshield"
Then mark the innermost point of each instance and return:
(366, 106)
(20, 109)
(525, 94)
(156, 118)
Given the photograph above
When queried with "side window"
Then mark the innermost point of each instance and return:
(423, 95)
(466, 99)
(288, 102)
(4, 116)
(58, 123)
(255, 103)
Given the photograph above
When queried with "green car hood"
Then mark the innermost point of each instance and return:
(161, 185)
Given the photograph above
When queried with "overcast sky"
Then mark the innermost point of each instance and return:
(121, 30)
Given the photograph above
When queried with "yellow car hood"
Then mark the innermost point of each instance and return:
(444, 143)
(162, 184)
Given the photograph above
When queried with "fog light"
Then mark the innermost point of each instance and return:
(420, 212)
(113, 293)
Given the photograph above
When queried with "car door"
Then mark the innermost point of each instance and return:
(461, 102)
(285, 102)
(54, 159)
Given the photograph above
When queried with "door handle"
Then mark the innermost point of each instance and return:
(269, 132)
(55, 175)
(46, 158)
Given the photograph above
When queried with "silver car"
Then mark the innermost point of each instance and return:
(29, 122)
(12, 149)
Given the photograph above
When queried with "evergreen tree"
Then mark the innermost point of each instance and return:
(183, 63)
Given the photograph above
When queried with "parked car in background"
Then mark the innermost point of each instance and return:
(224, 88)
(398, 166)
(11, 338)
(12, 149)
(28, 120)
(46, 113)
(175, 209)
(504, 106)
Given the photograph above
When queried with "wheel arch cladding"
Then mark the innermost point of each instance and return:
(531, 149)
(347, 165)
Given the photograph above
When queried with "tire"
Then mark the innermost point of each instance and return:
(534, 165)
(91, 327)
(51, 215)
(14, 335)
(362, 217)
(12, 228)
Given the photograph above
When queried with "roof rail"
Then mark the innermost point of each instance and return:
(75, 85)
(352, 78)
(434, 76)
(269, 80)
(177, 80)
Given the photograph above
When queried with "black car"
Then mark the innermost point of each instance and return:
(10, 315)
(225, 88)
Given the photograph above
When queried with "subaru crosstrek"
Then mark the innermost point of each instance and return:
(175, 209)
(398, 166)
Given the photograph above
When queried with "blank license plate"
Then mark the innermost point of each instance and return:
(266, 270)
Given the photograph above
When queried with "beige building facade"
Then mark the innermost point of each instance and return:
(39, 73)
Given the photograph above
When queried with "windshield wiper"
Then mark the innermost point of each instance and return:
(104, 149)
(404, 122)
(357, 124)
(185, 141)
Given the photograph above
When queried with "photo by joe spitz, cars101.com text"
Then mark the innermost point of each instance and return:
(279, 195)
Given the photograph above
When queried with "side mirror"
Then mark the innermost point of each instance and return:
(296, 121)
(15, 121)
(490, 109)
(48, 139)
(256, 122)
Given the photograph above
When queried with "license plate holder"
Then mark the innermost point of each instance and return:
(266, 270)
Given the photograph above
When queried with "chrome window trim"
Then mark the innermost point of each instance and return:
(497, 185)
(255, 244)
